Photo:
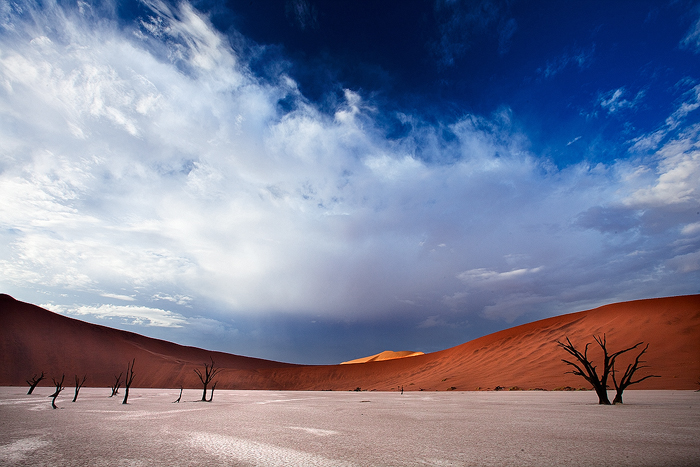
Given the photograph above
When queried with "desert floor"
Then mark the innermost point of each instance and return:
(266, 428)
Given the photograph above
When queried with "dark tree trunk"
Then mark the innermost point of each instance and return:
(211, 397)
(78, 385)
(209, 373)
(34, 381)
(128, 379)
(626, 380)
(602, 394)
(177, 401)
(585, 368)
(117, 384)
(59, 388)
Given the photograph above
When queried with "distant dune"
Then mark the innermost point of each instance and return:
(386, 355)
(33, 340)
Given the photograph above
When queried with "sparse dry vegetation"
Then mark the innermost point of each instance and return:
(128, 379)
(59, 388)
(117, 384)
(34, 381)
(78, 385)
(206, 378)
(585, 368)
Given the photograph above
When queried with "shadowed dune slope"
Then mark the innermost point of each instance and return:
(33, 340)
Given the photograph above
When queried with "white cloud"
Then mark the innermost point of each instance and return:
(677, 178)
(178, 299)
(614, 101)
(674, 122)
(691, 229)
(126, 298)
(151, 164)
(475, 276)
(128, 314)
(573, 141)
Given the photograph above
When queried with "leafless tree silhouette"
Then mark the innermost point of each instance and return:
(209, 373)
(585, 368)
(627, 376)
(59, 388)
(34, 381)
(177, 401)
(128, 379)
(78, 385)
(211, 397)
(117, 384)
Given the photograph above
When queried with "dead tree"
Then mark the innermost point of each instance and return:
(128, 379)
(587, 370)
(209, 373)
(117, 384)
(34, 381)
(211, 397)
(78, 385)
(59, 388)
(627, 376)
(177, 401)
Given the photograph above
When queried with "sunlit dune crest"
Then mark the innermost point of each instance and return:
(33, 340)
(386, 355)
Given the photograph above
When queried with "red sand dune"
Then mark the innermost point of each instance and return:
(33, 340)
(386, 355)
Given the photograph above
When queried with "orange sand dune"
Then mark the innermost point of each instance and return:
(386, 355)
(33, 339)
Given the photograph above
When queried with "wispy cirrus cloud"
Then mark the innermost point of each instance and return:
(126, 298)
(482, 275)
(691, 40)
(302, 13)
(615, 101)
(579, 58)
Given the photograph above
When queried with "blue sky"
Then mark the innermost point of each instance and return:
(313, 181)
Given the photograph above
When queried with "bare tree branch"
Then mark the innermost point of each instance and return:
(211, 397)
(34, 381)
(587, 370)
(626, 380)
(209, 373)
(128, 379)
(59, 388)
(117, 384)
(177, 401)
(78, 385)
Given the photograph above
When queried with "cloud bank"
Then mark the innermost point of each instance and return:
(147, 163)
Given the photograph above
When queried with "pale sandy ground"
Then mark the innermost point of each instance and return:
(266, 428)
